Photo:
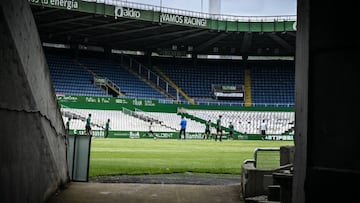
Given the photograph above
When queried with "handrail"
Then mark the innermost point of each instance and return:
(109, 83)
(155, 119)
(79, 116)
(175, 86)
(196, 13)
(149, 76)
(147, 116)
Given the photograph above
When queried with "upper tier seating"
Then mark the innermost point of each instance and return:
(128, 83)
(197, 80)
(273, 83)
(70, 78)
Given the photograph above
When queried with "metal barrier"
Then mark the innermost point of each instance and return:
(261, 150)
(254, 180)
(78, 157)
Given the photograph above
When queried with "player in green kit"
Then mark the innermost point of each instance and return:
(218, 128)
(207, 130)
(107, 127)
(88, 125)
(231, 131)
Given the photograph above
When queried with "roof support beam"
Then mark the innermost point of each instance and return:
(129, 31)
(67, 20)
(159, 36)
(246, 43)
(179, 39)
(93, 27)
(46, 11)
(210, 42)
(282, 42)
(293, 34)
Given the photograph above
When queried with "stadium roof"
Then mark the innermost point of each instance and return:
(66, 26)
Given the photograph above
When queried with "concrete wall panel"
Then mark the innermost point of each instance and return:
(33, 144)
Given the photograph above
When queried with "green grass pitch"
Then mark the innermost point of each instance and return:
(117, 156)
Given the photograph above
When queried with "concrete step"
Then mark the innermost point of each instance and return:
(256, 199)
(260, 199)
(274, 193)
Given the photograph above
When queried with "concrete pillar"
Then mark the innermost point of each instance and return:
(287, 155)
(32, 148)
(327, 164)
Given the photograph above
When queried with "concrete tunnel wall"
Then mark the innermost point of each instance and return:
(326, 162)
(33, 144)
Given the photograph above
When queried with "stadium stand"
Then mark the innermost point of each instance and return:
(128, 121)
(273, 83)
(248, 122)
(70, 78)
(129, 83)
(197, 79)
(173, 120)
(120, 121)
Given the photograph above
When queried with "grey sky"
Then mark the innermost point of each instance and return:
(232, 7)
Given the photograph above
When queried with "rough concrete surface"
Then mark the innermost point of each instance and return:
(174, 178)
(182, 187)
(33, 145)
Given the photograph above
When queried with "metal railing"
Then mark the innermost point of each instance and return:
(220, 103)
(150, 76)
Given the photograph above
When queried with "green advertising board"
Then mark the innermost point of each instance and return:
(148, 14)
(105, 103)
(149, 105)
(160, 135)
(175, 135)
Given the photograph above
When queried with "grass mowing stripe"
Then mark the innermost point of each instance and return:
(146, 156)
